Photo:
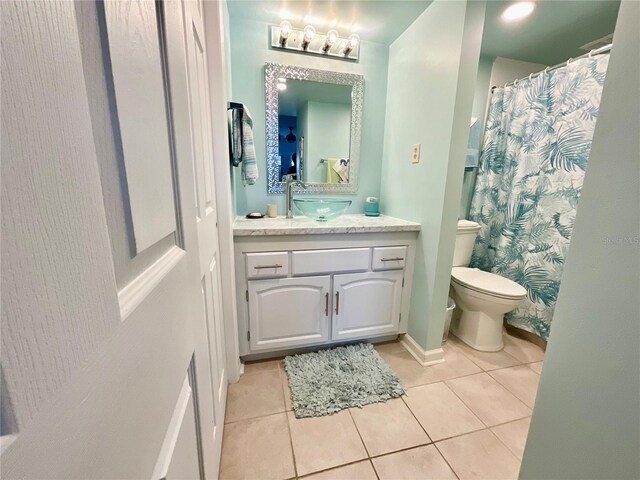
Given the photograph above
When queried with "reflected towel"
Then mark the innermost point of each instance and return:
(332, 175)
(249, 164)
(342, 169)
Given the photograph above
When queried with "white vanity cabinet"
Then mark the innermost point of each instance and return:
(321, 285)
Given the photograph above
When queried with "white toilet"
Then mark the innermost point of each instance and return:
(483, 297)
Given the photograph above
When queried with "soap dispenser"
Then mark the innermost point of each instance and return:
(371, 207)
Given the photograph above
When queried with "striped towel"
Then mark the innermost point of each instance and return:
(249, 164)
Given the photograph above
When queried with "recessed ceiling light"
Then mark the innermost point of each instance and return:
(518, 11)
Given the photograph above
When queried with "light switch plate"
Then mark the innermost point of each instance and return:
(415, 155)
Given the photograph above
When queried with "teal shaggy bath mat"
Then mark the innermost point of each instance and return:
(328, 381)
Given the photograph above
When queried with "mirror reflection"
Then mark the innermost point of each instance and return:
(314, 130)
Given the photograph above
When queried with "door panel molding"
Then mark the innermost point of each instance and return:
(138, 80)
(131, 296)
(171, 437)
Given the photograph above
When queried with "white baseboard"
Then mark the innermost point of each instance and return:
(423, 357)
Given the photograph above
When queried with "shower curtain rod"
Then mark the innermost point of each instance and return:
(595, 51)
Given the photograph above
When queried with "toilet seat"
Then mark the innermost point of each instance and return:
(487, 283)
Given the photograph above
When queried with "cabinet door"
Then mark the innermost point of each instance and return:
(366, 304)
(288, 312)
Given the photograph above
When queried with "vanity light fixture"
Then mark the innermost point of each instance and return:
(285, 30)
(352, 42)
(282, 86)
(308, 41)
(518, 11)
(309, 33)
(332, 36)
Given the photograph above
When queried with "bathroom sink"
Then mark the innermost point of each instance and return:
(321, 209)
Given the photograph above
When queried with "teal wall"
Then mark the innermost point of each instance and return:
(249, 52)
(586, 422)
(479, 110)
(432, 73)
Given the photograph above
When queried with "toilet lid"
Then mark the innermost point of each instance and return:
(488, 283)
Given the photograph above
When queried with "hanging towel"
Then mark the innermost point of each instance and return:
(249, 164)
(332, 175)
(236, 137)
(342, 169)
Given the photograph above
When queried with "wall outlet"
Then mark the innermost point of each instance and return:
(415, 155)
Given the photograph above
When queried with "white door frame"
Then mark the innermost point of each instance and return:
(215, 28)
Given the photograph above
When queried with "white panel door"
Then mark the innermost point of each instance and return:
(91, 392)
(366, 304)
(288, 312)
(205, 203)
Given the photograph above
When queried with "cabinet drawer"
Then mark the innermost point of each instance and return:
(268, 264)
(389, 258)
(306, 262)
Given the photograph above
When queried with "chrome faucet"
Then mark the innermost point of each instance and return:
(291, 182)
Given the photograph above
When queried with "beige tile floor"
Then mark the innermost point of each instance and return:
(465, 418)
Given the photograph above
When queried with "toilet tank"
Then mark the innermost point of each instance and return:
(465, 239)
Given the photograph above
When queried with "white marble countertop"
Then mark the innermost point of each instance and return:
(350, 223)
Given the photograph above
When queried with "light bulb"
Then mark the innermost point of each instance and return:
(309, 33)
(518, 11)
(352, 42)
(332, 36)
(330, 39)
(285, 28)
(282, 87)
(282, 80)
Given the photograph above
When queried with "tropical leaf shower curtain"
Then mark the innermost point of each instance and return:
(535, 151)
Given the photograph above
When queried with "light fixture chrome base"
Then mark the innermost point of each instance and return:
(295, 42)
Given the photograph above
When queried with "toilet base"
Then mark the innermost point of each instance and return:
(480, 331)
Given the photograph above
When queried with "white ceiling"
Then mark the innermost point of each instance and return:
(375, 21)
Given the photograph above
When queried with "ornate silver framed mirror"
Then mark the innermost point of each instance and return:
(313, 127)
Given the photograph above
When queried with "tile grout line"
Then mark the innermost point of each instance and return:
(520, 362)
(465, 404)
(507, 446)
(416, 419)
(358, 432)
(324, 470)
(487, 427)
(445, 460)
(374, 468)
(405, 449)
(514, 393)
(483, 422)
(293, 452)
(256, 417)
